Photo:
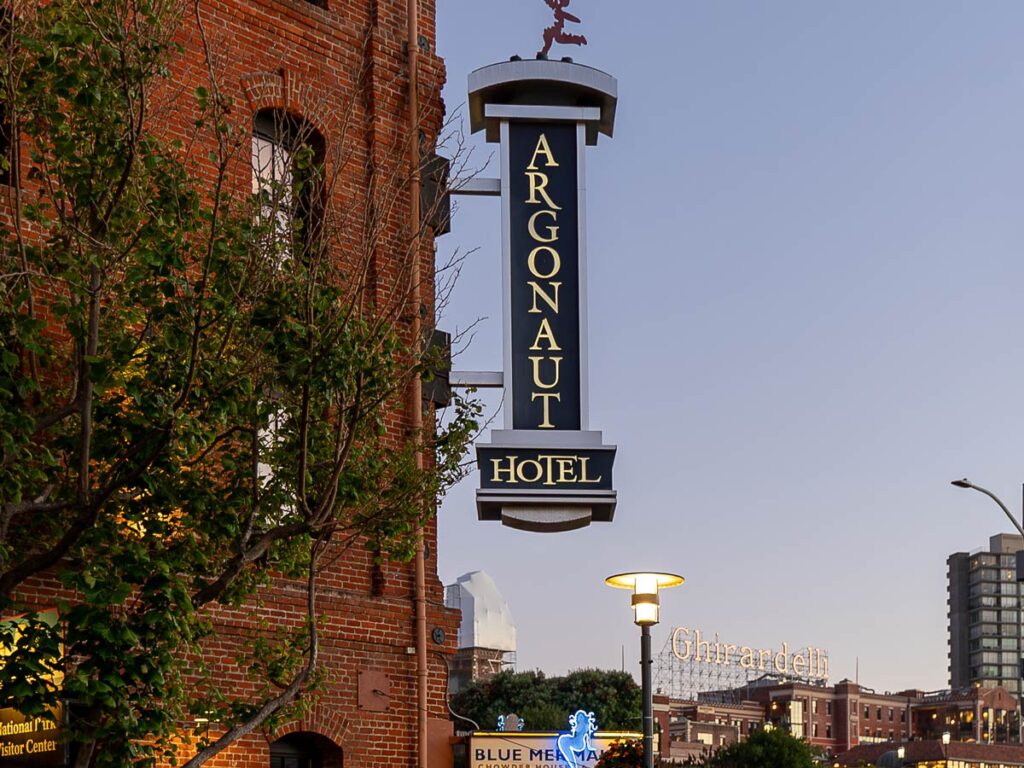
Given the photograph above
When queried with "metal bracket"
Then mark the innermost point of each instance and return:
(542, 113)
(478, 186)
(478, 379)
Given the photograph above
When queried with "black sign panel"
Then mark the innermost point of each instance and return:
(549, 469)
(545, 276)
(31, 742)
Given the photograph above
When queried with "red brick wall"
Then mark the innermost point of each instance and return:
(343, 69)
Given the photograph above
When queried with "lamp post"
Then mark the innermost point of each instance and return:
(645, 586)
(965, 483)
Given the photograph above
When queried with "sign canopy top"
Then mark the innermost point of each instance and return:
(541, 82)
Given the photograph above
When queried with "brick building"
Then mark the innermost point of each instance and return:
(835, 718)
(319, 62)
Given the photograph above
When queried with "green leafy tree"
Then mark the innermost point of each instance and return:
(545, 703)
(774, 748)
(192, 397)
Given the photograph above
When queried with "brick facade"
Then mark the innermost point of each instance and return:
(340, 65)
(834, 718)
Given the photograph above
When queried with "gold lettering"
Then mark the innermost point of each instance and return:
(496, 470)
(584, 460)
(688, 645)
(539, 186)
(566, 468)
(538, 291)
(552, 230)
(545, 332)
(763, 655)
(542, 148)
(546, 398)
(556, 262)
(536, 372)
(533, 463)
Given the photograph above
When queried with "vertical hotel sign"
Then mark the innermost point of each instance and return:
(546, 470)
(545, 276)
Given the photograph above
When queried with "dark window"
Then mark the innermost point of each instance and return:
(287, 171)
(890, 714)
(879, 713)
(828, 707)
(300, 751)
(288, 761)
(867, 712)
(828, 730)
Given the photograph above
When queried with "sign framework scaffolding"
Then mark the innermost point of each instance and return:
(712, 681)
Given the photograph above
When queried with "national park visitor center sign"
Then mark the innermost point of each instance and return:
(546, 470)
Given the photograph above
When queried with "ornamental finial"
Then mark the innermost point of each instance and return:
(556, 32)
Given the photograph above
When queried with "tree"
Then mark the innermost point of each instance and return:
(194, 387)
(774, 748)
(545, 703)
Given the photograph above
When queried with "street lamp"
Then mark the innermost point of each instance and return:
(645, 586)
(965, 483)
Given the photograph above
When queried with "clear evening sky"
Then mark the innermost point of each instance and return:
(806, 257)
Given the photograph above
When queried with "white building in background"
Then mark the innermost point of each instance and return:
(487, 633)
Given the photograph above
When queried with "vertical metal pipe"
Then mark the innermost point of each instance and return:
(648, 704)
(416, 387)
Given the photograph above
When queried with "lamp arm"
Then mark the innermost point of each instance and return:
(1001, 506)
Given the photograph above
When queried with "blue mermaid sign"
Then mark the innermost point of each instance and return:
(576, 742)
(581, 746)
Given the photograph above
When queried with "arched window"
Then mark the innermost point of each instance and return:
(287, 176)
(304, 750)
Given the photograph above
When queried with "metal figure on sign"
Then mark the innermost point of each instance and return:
(556, 32)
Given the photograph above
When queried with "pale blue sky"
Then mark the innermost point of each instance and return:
(806, 315)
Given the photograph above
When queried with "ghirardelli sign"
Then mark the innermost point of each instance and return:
(808, 663)
(546, 470)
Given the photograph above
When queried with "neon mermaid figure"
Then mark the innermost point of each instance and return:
(576, 742)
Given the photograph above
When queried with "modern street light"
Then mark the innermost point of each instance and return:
(645, 586)
(965, 483)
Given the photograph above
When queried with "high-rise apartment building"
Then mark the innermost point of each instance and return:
(985, 616)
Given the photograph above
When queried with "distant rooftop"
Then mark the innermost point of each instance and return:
(486, 619)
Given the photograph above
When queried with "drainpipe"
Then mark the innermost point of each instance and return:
(416, 387)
